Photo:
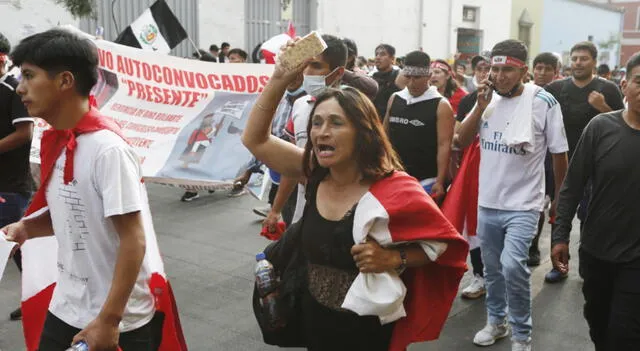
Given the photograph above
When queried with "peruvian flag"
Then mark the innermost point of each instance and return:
(39, 256)
(461, 204)
(271, 47)
(397, 210)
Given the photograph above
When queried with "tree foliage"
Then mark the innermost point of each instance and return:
(79, 8)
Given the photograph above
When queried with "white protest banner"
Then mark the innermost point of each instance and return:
(183, 117)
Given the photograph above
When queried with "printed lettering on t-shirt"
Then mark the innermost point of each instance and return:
(406, 121)
(497, 145)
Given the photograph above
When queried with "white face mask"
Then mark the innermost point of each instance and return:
(314, 85)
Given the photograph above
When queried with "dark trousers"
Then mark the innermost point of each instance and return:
(612, 302)
(11, 211)
(58, 335)
(476, 262)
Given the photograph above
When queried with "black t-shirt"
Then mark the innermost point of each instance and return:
(413, 131)
(15, 174)
(386, 87)
(606, 157)
(576, 110)
(466, 105)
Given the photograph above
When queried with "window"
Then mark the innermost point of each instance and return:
(525, 23)
(469, 14)
(524, 34)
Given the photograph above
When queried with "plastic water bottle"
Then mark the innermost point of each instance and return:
(267, 284)
(81, 346)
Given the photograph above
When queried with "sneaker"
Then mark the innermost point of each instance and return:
(521, 345)
(262, 211)
(534, 257)
(189, 196)
(475, 289)
(16, 315)
(555, 276)
(491, 333)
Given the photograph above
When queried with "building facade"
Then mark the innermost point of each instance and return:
(589, 21)
(526, 23)
(464, 26)
(630, 38)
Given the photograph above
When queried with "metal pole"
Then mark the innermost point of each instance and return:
(195, 47)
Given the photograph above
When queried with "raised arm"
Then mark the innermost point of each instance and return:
(471, 125)
(279, 155)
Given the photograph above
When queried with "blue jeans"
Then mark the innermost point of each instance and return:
(505, 238)
(11, 211)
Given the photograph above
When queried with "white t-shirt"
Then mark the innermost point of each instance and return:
(300, 115)
(107, 182)
(510, 178)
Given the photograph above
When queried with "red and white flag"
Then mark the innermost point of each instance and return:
(271, 47)
(398, 207)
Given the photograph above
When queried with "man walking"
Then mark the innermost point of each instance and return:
(511, 185)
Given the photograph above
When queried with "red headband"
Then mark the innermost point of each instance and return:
(442, 66)
(507, 61)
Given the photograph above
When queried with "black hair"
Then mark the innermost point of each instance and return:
(238, 52)
(352, 48)
(336, 52)
(214, 47)
(604, 69)
(477, 59)
(417, 59)
(546, 58)
(388, 48)
(462, 63)
(634, 61)
(59, 50)
(586, 46)
(225, 45)
(207, 57)
(5, 46)
(511, 47)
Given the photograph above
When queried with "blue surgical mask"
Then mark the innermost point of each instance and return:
(314, 85)
(295, 92)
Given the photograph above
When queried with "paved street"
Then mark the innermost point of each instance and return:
(209, 247)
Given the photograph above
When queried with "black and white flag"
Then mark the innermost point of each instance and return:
(156, 29)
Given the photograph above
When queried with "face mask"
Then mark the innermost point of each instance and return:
(295, 92)
(314, 85)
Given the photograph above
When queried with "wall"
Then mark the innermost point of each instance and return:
(24, 17)
(560, 32)
(221, 21)
(437, 30)
(372, 22)
(535, 9)
(494, 20)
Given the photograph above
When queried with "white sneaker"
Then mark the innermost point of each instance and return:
(521, 345)
(491, 333)
(475, 289)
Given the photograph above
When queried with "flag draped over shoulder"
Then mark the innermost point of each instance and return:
(39, 256)
(157, 29)
(405, 213)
